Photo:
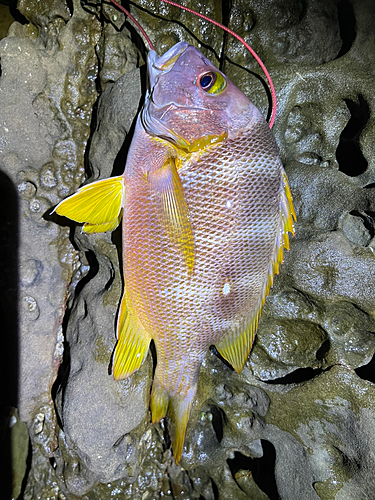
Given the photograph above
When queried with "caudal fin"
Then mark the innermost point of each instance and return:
(98, 205)
(177, 407)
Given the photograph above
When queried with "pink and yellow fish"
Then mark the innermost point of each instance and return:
(206, 213)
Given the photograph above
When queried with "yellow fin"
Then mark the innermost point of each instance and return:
(235, 346)
(102, 228)
(132, 344)
(178, 413)
(98, 203)
(159, 402)
(177, 408)
(172, 209)
(286, 226)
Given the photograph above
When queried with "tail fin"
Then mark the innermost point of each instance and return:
(177, 407)
(98, 205)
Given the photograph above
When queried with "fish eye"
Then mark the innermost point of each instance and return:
(213, 82)
(207, 81)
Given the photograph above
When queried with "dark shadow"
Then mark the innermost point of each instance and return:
(348, 153)
(347, 26)
(215, 490)
(93, 271)
(69, 4)
(9, 362)
(262, 469)
(16, 14)
(226, 8)
(323, 350)
(298, 376)
(218, 421)
(93, 126)
(367, 372)
(121, 157)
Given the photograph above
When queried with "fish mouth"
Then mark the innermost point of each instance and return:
(163, 64)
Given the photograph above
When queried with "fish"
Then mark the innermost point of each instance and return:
(206, 214)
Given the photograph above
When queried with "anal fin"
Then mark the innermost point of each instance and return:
(235, 346)
(178, 413)
(132, 344)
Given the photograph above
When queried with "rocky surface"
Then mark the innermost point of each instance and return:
(298, 422)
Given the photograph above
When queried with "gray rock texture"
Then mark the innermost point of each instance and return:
(298, 422)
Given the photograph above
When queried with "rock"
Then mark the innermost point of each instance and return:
(298, 421)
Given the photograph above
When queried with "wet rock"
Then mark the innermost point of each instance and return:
(286, 345)
(331, 419)
(166, 25)
(29, 139)
(35, 130)
(98, 414)
(298, 421)
(116, 53)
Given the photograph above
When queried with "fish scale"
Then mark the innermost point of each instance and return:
(206, 215)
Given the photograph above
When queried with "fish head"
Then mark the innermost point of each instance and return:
(189, 98)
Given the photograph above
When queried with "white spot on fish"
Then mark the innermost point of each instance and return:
(229, 204)
(226, 288)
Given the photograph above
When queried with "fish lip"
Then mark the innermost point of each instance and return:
(157, 65)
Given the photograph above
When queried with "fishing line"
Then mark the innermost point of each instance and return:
(127, 13)
(225, 28)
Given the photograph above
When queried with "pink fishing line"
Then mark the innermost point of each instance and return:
(127, 13)
(252, 51)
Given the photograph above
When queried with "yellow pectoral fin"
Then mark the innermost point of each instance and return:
(96, 204)
(102, 228)
(132, 344)
(236, 346)
(172, 209)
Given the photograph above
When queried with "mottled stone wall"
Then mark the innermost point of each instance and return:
(298, 422)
